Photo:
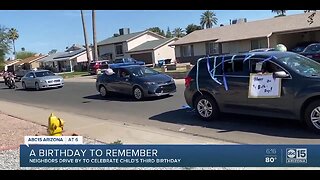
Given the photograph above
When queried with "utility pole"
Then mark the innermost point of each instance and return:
(95, 55)
(85, 38)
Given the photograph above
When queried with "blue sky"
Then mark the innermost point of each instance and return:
(41, 31)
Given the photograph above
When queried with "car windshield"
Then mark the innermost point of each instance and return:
(302, 65)
(143, 71)
(312, 48)
(44, 73)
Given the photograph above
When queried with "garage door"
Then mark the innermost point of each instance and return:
(146, 57)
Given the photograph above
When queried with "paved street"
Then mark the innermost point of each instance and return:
(81, 97)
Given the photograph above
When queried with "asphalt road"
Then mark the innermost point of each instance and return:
(164, 113)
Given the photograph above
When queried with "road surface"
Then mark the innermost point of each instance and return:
(165, 113)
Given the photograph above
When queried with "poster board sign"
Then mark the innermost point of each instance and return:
(264, 86)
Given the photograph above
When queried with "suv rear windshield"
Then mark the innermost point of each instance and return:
(312, 48)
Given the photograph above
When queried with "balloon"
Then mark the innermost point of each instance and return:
(281, 47)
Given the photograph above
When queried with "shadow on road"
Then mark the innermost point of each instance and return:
(123, 98)
(231, 122)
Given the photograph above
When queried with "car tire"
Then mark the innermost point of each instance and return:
(37, 86)
(137, 93)
(207, 108)
(312, 116)
(24, 85)
(103, 91)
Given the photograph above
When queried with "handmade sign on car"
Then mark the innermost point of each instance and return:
(264, 86)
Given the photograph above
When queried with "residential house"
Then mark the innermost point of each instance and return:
(10, 65)
(145, 46)
(30, 62)
(245, 36)
(73, 59)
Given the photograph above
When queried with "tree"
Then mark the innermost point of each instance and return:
(13, 36)
(157, 30)
(24, 54)
(168, 34)
(279, 12)
(85, 37)
(23, 49)
(95, 47)
(116, 35)
(208, 19)
(178, 32)
(53, 51)
(4, 42)
(192, 27)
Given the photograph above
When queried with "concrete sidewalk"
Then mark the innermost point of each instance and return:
(107, 131)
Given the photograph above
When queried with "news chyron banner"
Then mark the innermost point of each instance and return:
(71, 152)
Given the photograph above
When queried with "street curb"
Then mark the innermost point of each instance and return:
(161, 135)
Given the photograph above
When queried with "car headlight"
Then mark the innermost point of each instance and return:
(42, 81)
(150, 83)
(172, 80)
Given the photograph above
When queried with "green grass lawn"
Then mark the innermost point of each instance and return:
(74, 74)
(177, 70)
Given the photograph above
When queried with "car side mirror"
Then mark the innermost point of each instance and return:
(280, 74)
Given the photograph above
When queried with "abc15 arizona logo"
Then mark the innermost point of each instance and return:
(296, 155)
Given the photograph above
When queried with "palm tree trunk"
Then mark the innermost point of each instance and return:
(96, 57)
(14, 48)
(85, 38)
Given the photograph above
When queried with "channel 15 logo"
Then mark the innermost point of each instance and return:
(296, 155)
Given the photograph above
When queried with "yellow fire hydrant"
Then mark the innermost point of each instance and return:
(55, 125)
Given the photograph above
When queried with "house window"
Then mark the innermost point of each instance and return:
(212, 48)
(259, 43)
(187, 50)
(119, 50)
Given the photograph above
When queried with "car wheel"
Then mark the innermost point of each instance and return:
(137, 93)
(207, 108)
(312, 116)
(24, 85)
(103, 91)
(37, 86)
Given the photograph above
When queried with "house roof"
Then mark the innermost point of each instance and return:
(151, 45)
(119, 39)
(126, 37)
(31, 59)
(253, 29)
(51, 56)
(70, 54)
(11, 62)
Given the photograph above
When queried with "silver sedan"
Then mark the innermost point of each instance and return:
(41, 79)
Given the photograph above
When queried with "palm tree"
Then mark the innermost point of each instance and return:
(85, 38)
(208, 19)
(13, 36)
(178, 32)
(94, 35)
(280, 12)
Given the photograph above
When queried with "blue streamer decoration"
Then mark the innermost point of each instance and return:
(212, 72)
(224, 76)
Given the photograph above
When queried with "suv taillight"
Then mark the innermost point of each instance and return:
(97, 66)
(187, 81)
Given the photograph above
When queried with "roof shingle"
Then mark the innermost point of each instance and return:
(150, 45)
(119, 39)
(253, 29)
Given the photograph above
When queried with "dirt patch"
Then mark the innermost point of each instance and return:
(13, 131)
